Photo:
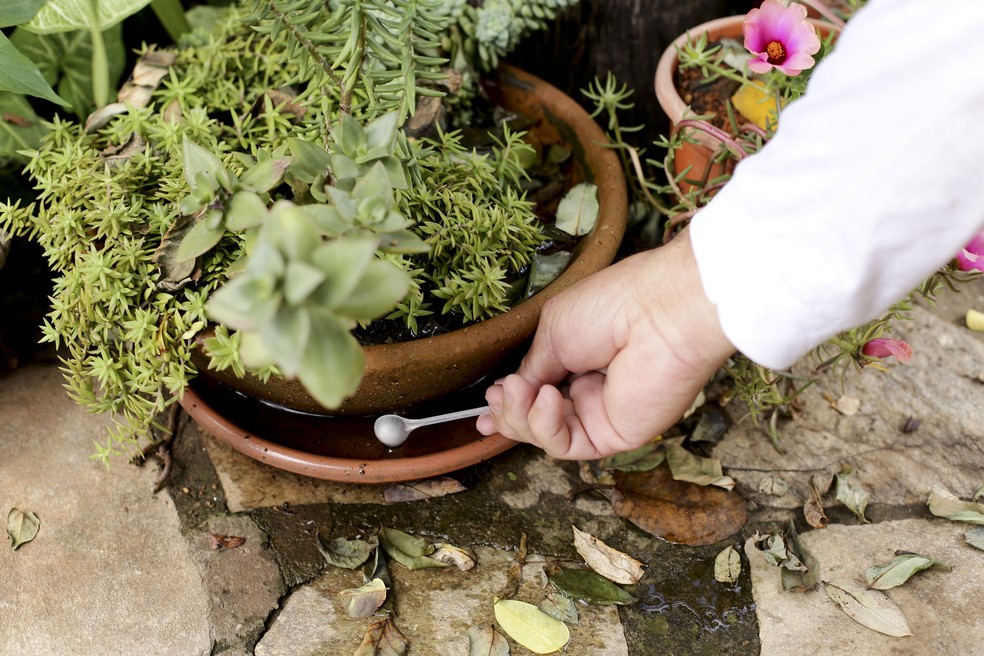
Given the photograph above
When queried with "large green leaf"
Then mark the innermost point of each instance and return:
(68, 15)
(15, 12)
(332, 364)
(19, 74)
(20, 128)
(65, 60)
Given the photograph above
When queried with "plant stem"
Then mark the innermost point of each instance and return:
(717, 133)
(100, 60)
(172, 16)
(824, 11)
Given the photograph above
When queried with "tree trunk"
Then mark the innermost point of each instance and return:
(625, 37)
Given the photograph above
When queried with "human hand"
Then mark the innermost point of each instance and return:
(633, 345)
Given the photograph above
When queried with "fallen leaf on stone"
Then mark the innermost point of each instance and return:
(408, 550)
(727, 566)
(847, 405)
(589, 587)
(677, 511)
(363, 601)
(975, 537)
(22, 527)
(975, 320)
(773, 548)
(851, 494)
(644, 458)
(610, 563)
(979, 493)
(801, 571)
(773, 486)
(484, 640)
(417, 490)
(944, 503)
(348, 554)
(514, 577)
(383, 639)
(463, 559)
(869, 608)
(578, 210)
(531, 627)
(226, 541)
(376, 568)
(813, 507)
(560, 607)
(690, 467)
(710, 428)
(899, 570)
(699, 401)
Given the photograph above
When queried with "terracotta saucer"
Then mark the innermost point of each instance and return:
(342, 449)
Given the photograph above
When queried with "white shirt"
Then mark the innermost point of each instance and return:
(874, 179)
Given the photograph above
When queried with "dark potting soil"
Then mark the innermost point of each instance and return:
(706, 97)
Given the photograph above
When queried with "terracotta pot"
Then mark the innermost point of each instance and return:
(404, 374)
(700, 156)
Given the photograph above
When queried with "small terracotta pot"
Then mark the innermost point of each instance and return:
(700, 156)
(405, 374)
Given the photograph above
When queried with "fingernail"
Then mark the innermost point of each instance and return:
(494, 396)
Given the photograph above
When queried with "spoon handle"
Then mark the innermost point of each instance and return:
(451, 416)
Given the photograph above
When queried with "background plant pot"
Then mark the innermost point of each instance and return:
(700, 156)
(404, 374)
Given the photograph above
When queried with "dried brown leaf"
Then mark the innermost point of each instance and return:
(610, 563)
(364, 600)
(427, 489)
(484, 640)
(383, 638)
(219, 541)
(463, 559)
(677, 511)
(869, 608)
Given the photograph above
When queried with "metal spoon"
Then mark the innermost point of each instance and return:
(393, 430)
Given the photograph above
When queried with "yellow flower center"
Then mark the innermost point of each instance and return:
(776, 53)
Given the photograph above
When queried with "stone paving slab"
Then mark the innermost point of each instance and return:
(109, 572)
(435, 608)
(942, 608)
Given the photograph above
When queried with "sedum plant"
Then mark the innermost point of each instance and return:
(267, 185)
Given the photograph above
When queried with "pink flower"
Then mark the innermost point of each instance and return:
(780, 37)
(883, 348)
(971, 258)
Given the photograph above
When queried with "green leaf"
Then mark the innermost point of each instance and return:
(727, 565)
(66, 15)
(644, 458)
(245, 210)
(411, 545)
(65, 60)
(22, 527)
(590, 587)
(560, 607)
(349, 137)
(899, 570)
(381, 132)
(381, 287)
(300, 279)
(869, 608)
(363, 601)
(200, 239)
(286, 337)
(944, 503)
(687, 466)
(975, 537)
(333, 361)
(531, 627)
(347, 554)
(16, 12)
(201, 167)
(344, 263)
(851, 494)
(265, 176)
(484, 640)
(20, 128)
(578, 210)
(19, 75)
(309, 160)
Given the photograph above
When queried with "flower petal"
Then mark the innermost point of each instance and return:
(759, 64)
(883, 348)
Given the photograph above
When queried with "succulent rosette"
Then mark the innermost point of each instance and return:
(780, 37)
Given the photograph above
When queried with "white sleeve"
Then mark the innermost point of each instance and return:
(875, 178)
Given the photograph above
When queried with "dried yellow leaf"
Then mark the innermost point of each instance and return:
(757, 105)
(975, 320)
